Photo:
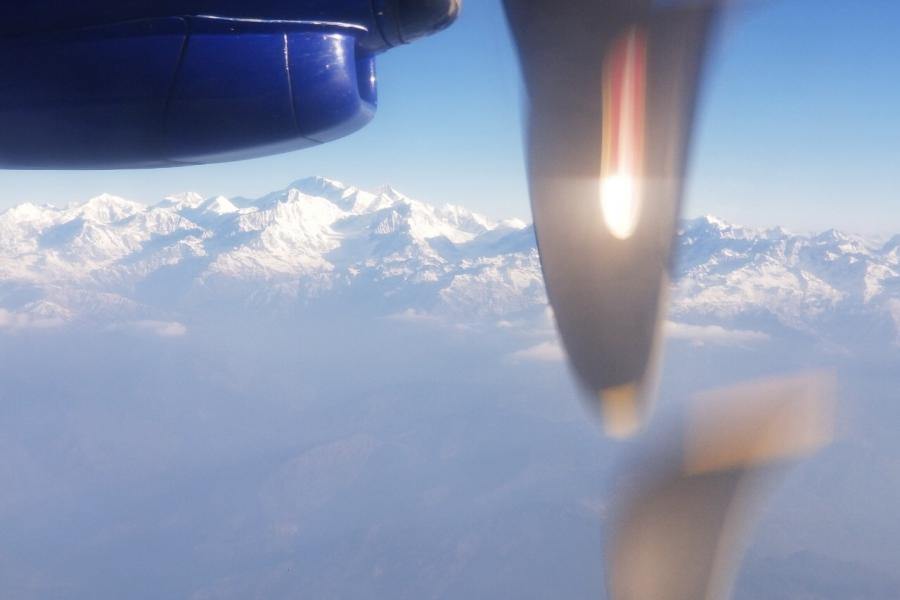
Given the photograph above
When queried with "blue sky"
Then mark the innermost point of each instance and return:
(799, 126)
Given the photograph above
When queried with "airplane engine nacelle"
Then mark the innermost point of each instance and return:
(172, 91)
(154, 83)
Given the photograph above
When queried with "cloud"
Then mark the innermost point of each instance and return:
(713, 334)
(18, 321)
(552, 351)
(154, 328)
(549, 351)
(894, 308)
(419, 317)
(414, 316)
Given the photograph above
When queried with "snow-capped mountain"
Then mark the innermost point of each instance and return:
(831, 284)
(320, 243)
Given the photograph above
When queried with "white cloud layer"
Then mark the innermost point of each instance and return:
(552, 351)
(713, 334)
(18, 321)
(549, 351)
(152, 328)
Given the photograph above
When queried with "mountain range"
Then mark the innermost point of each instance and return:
(400, 425)
(323, 244)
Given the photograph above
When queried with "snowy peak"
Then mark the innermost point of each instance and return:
(24, 213)
(316, 238)
(179, 202)
(389, 209)
(319, 241)
(738, 275)
(347, 198)
(321, 186)
(104, 209)
(218, 206)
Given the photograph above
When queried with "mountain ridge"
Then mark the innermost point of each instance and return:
(319, 241)
(291, 246)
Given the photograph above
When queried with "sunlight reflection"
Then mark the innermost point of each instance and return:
(624, 80)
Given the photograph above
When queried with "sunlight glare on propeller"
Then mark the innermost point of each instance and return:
(624, 82)
(611, 87)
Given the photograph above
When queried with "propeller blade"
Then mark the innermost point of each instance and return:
(611, 88)
(687, 506)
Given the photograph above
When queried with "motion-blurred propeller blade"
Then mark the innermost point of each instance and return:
(683, 520)
(611, 87)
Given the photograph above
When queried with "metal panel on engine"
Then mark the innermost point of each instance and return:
(333, 89)
(179, 91)
(87, 98)
(232, 93)
(252, 89)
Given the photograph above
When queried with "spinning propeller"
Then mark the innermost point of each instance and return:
(611, 90)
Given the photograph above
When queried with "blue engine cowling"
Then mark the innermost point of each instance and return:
(155, 83)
